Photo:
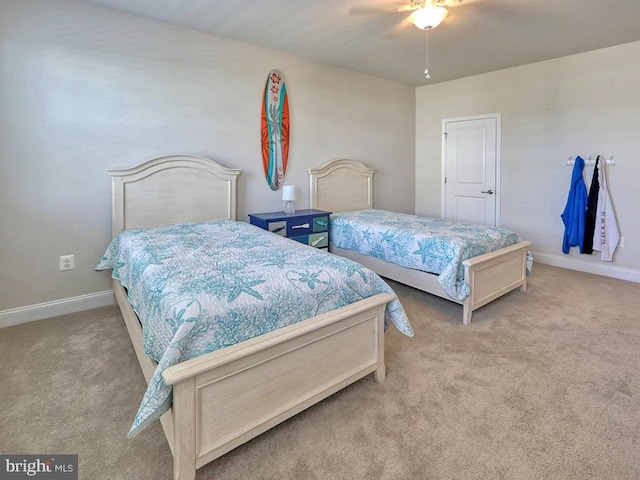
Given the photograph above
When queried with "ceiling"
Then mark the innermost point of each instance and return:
(478, 36)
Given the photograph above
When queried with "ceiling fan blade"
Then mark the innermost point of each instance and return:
(398, 31)
(389, 7)
(367, 10)
(406, 8)
(460, 3)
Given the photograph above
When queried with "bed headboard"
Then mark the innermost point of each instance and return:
(341, 185)
(172, 189)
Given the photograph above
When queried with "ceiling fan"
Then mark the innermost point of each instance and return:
(427, 14)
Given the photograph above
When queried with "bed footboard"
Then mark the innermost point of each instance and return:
(223, 399)
(493, 274)
(489, 276)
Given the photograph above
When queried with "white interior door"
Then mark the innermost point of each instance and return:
(471, 163)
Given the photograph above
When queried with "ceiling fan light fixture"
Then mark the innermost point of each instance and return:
(428, 17)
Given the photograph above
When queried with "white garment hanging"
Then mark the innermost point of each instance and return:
(606, 235)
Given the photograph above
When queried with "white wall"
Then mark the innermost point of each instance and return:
(83, 89)
(586, 104)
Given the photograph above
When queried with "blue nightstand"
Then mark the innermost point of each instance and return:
(310, 227)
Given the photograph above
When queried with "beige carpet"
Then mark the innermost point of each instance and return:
(542, 385)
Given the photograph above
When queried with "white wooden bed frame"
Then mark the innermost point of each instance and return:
(227, 397)
(342, 185)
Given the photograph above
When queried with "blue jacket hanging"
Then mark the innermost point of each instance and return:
(575, 210)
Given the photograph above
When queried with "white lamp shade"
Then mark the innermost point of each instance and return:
(288, 193)
(428, 17)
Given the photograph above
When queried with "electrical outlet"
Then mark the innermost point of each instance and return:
(67, 262)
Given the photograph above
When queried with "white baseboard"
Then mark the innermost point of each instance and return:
(587, 267)
(40, 311)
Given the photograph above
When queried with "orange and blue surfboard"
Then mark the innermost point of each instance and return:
(275, 129)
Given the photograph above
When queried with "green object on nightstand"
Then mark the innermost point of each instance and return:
(310, 227)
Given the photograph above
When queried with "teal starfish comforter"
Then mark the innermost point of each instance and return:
(429, 244)
(200, 287)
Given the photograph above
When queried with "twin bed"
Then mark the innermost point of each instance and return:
(221, 399)
(486, 263)
(221, 386)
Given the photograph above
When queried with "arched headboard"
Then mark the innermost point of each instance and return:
(172, 189)
(341, 185)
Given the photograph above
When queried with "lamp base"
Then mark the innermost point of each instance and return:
(289, 208)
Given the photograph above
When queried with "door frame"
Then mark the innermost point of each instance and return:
(443, 189)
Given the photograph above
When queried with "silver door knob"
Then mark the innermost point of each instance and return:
(490, 192)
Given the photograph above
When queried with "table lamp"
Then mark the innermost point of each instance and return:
(289, 195)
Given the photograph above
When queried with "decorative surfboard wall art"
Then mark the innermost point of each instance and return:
(275, 129)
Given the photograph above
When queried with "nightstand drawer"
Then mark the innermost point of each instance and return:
(278, 227)
(299, 226)
(307, 225)
(318, 240)
(321, 224)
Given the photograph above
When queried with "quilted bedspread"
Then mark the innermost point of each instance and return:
(429, 244)
(200, 287)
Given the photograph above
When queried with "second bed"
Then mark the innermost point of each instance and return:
(470, 265)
